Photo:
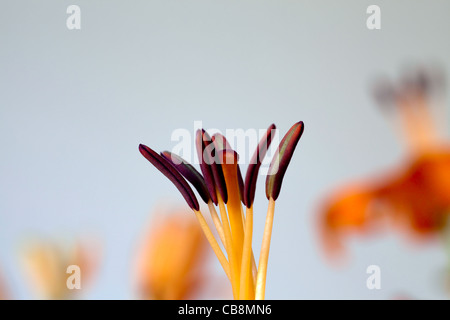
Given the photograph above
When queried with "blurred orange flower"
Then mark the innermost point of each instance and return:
(416, 194)
(3, 290)
(172, 258)
(46, 264)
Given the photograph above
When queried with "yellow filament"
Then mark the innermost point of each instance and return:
(217, 223)
(254, 269)
(229, 247)
(246, 289)
(214, 245)
(264, 255)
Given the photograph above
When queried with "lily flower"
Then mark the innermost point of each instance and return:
(220, 184)
(46, 265)
(415, 195)
(170, 263)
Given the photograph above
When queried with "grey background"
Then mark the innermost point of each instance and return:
(74, 105)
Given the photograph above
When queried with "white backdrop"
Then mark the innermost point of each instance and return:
(74, 105)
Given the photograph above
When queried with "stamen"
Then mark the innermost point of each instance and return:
(190, 173)
(204, 166)
(172, 174)
(222, 185)
(264, 255)
(411, 101)
(221, 143)
(247, 291)
(384, 93)
(417, 120)
(217, 223)
(194, 177)
(281, 160)
(241, 184)
(214, 245)
(216, 167)
(255, 163)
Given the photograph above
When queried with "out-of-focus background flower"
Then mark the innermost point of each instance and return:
(74, 105)
(413, 196)
(48, 267)
(173, 260)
